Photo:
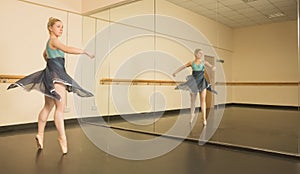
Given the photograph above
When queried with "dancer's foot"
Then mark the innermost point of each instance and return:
(39, 141)
(63, 145)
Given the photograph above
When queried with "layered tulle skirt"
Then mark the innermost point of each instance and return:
(44, 80)
(196, 83)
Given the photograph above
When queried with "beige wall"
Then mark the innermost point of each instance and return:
(219, 36)
(266, 53)
(72, 6)
(79, 6)
(89, 6)
(23, 41)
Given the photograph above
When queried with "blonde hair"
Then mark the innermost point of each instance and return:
(51, 22)
(197, 51)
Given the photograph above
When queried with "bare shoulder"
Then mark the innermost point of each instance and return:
(55, 43)
(188, 64)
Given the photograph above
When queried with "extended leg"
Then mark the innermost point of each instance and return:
(203, 105)
(59, 116)
(42, 121)
(193, 100)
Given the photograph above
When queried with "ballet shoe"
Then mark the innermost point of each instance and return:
(39, 142)
(204, 122)
(63, 145)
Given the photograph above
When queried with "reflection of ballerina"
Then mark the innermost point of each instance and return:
(53, 81)
(196, 82)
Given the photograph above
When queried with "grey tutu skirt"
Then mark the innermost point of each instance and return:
(196, 83)
(44, 80)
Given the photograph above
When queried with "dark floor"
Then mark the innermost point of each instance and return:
(19, 155)
(268, 129)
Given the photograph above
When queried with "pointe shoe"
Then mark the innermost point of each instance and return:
(39, 142)
(204, 122)
(63, 145)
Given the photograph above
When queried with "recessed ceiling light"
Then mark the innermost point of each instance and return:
(276, 15)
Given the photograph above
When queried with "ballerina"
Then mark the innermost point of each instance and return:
(196, 82)
(53, 82)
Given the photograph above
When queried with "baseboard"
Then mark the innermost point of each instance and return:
(74, 121)
(264, 106)
(33, 126)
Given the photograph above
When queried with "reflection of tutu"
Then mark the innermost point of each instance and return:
(44, 80)
(196, 83)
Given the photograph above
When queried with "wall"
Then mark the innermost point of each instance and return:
(23, 42)
(74, 6)
(141, 97)
(266, 53)
(92, 6)
(219, 36)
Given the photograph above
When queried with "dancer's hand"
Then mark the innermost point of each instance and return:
(213, 68)
(90, 55)
(174, 75)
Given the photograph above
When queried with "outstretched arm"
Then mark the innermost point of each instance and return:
(71, 50)
(209, 65)
(182, 68)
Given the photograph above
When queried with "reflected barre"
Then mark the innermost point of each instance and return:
(110, 81)
(258, 83)
(10, 78)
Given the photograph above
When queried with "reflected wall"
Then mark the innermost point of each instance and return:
(153, 29)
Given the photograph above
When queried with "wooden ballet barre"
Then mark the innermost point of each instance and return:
(258, 83)
(109, 81)
(10, 78)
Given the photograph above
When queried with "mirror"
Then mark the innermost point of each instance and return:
(298, 37)
(253, 45)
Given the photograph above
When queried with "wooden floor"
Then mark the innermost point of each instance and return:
(20, 155)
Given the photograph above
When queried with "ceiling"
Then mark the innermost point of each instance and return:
(242, 13)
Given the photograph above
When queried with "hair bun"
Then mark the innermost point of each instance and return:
(51, 22)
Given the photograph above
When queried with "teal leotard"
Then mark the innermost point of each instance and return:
(54, 53)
